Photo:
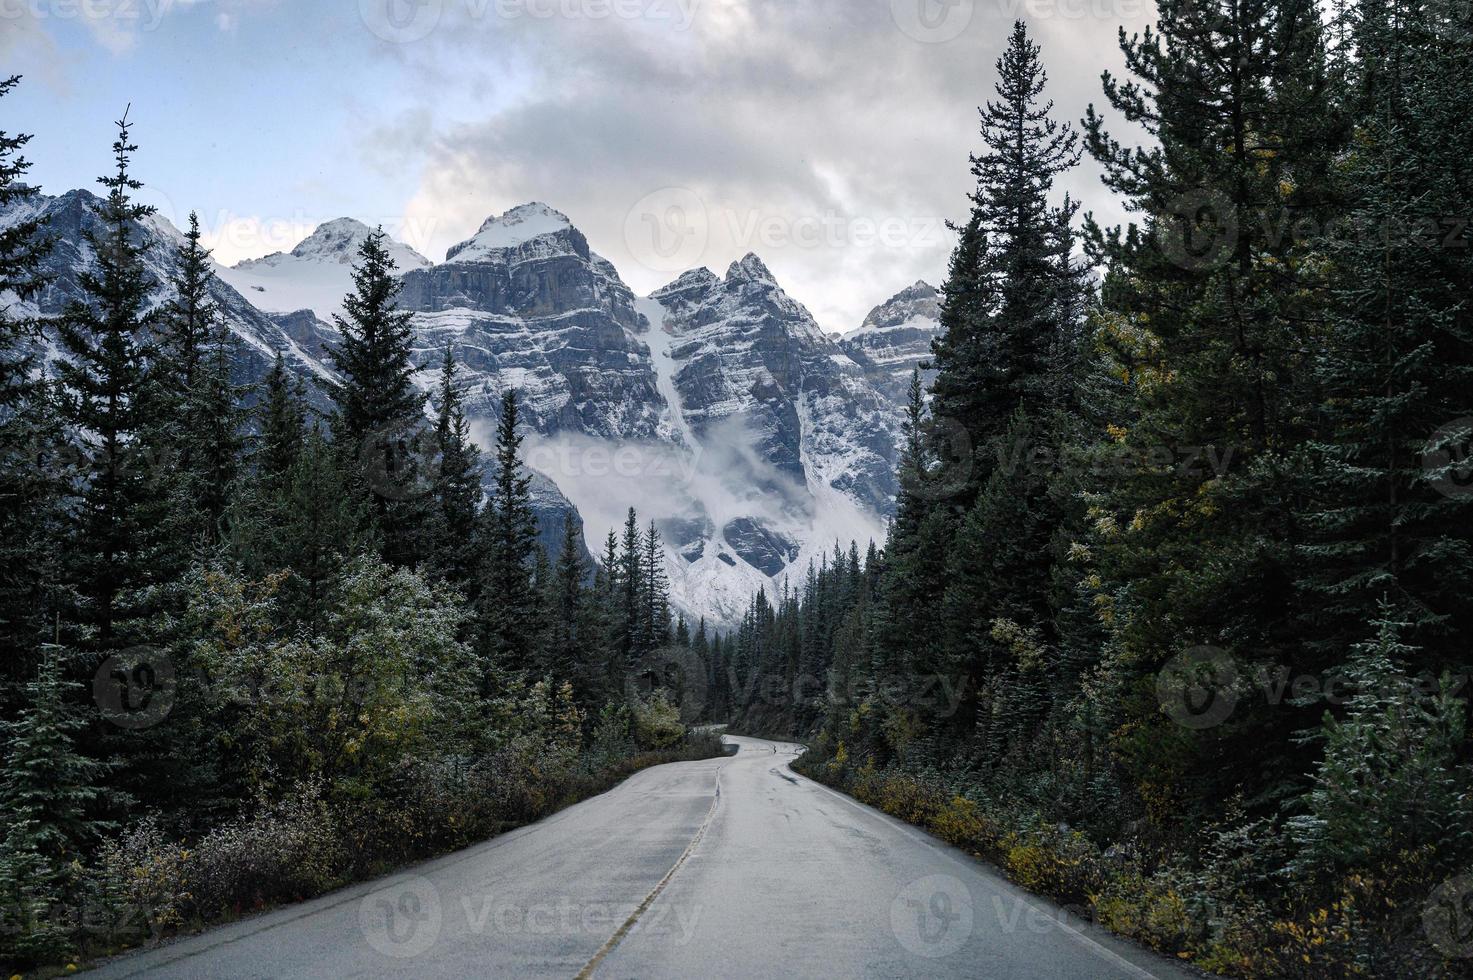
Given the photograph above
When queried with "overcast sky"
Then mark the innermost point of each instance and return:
(828, 136)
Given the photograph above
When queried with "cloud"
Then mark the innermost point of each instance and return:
(819, 134)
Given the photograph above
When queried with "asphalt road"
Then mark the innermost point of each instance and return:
(731, 867)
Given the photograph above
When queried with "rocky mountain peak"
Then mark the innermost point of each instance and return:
(337, 241)
(516, 227)
(750, 269)
(896, 339)
(689, 289)
(920, 301)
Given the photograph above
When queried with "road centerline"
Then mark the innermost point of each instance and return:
(619, 934)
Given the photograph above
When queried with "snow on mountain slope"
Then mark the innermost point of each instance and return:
(516, 227)
(316, 274)
(896, 338)
(70, 216)
(779, 448)
(543, 314)
(751, 353)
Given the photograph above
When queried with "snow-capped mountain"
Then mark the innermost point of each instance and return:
(525, 304)
(316, 274)
(715, 406)
(896, 338)
(72, 215)
(786, 447)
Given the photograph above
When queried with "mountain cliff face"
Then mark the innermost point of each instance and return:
(525, 304)
(716, 406)
(896, 338)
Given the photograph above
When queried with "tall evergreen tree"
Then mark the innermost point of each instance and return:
(572, 643)
(110, 399)
(655, 630)
(507, 603)
(282, 419)
(1390, 518)
(49, 789)
(23, 247)
(631, 592)
(322, 524)
(380, 413)
(202, 430)
(33, 474)
(457, 486)
(1004, 307)
(1211, 309)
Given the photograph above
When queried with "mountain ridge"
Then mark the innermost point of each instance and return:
(753, 439)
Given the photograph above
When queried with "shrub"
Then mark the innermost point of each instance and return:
(657, 722)
(1062, 864)
(286, 850)
(1148, 909)
(141, 883)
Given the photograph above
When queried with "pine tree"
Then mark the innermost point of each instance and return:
(380, 414)
(1211, 307)
(507, 602)
(1391, 777)
(1004, 307)
(1398, 359)
(23, 247)
(49, 790)
(907, 620)
(37, 470)
(33, 459)
(261, 511)
(571, 642)
(202, 428)
(457, 487)
(110, 399)
(307, 521)
(631, 588)
(998, 568)
(655, 628)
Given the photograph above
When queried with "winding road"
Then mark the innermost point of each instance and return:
(733, 867)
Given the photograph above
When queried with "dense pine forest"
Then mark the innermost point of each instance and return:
(1173, 620)
(254, 650)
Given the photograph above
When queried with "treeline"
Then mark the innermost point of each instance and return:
(250, 653)
(1177, 592)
